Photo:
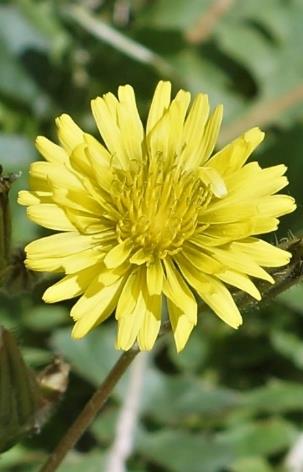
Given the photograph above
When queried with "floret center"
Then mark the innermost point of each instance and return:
(158, 207)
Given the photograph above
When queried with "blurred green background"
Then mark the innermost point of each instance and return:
(232, 401)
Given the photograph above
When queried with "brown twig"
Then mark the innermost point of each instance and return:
(206, 24)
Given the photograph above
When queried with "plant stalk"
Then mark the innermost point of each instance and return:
(92, 407)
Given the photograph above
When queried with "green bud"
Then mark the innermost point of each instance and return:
(26, 400)
(20, 394)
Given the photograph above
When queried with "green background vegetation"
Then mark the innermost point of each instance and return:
(233, 400)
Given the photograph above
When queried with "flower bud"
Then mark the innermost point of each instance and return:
(20, 394)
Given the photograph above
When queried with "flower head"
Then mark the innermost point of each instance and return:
(150, 216)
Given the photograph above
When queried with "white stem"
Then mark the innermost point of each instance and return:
(127, 420)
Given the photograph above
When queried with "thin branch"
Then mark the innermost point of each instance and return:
(208, 21)
(262, 114)
(127, 421)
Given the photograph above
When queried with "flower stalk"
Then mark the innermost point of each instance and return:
(93, 406)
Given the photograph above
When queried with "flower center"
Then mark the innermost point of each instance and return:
(158, 207)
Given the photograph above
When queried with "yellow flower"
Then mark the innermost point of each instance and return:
(150, 216)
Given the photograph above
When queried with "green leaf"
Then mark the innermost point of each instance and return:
(14, 80)
(259, 438)
(289, 345)
(17, 32)
(185, 398)
(45, 317)
(94, 461)
(293, 298)
(180, 451)
(276, 397)
(251, 464)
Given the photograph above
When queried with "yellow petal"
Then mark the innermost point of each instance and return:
(159, 105)
(94, 307)
(140, 257)
(228, 211)
(105, 113)
(219, 299)
(262, 252)
(240, 281)
(200, 260)
(165, 139)
(176, 289)
(130, 293)
(193, 131)
(154, 277)
(62, 244)
(77, 200)
(130, 322)
(69, 133)
(81, 163)
(51, 151)
(212, 178)
(69, 264)
(151, 323)
(213, 293)
(50, 216)
(56, 174)
(98, 153)
(211, 134)
(130, 123)
(237, 260)
(182, 326)
(252, 182)
(276, 205)
(70, 286)
(234, 155)
(33, 198)
(118, 254)
(231, 231)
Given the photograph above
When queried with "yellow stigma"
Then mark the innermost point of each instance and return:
(158, 208)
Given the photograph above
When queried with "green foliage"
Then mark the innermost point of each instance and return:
(232, 401)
